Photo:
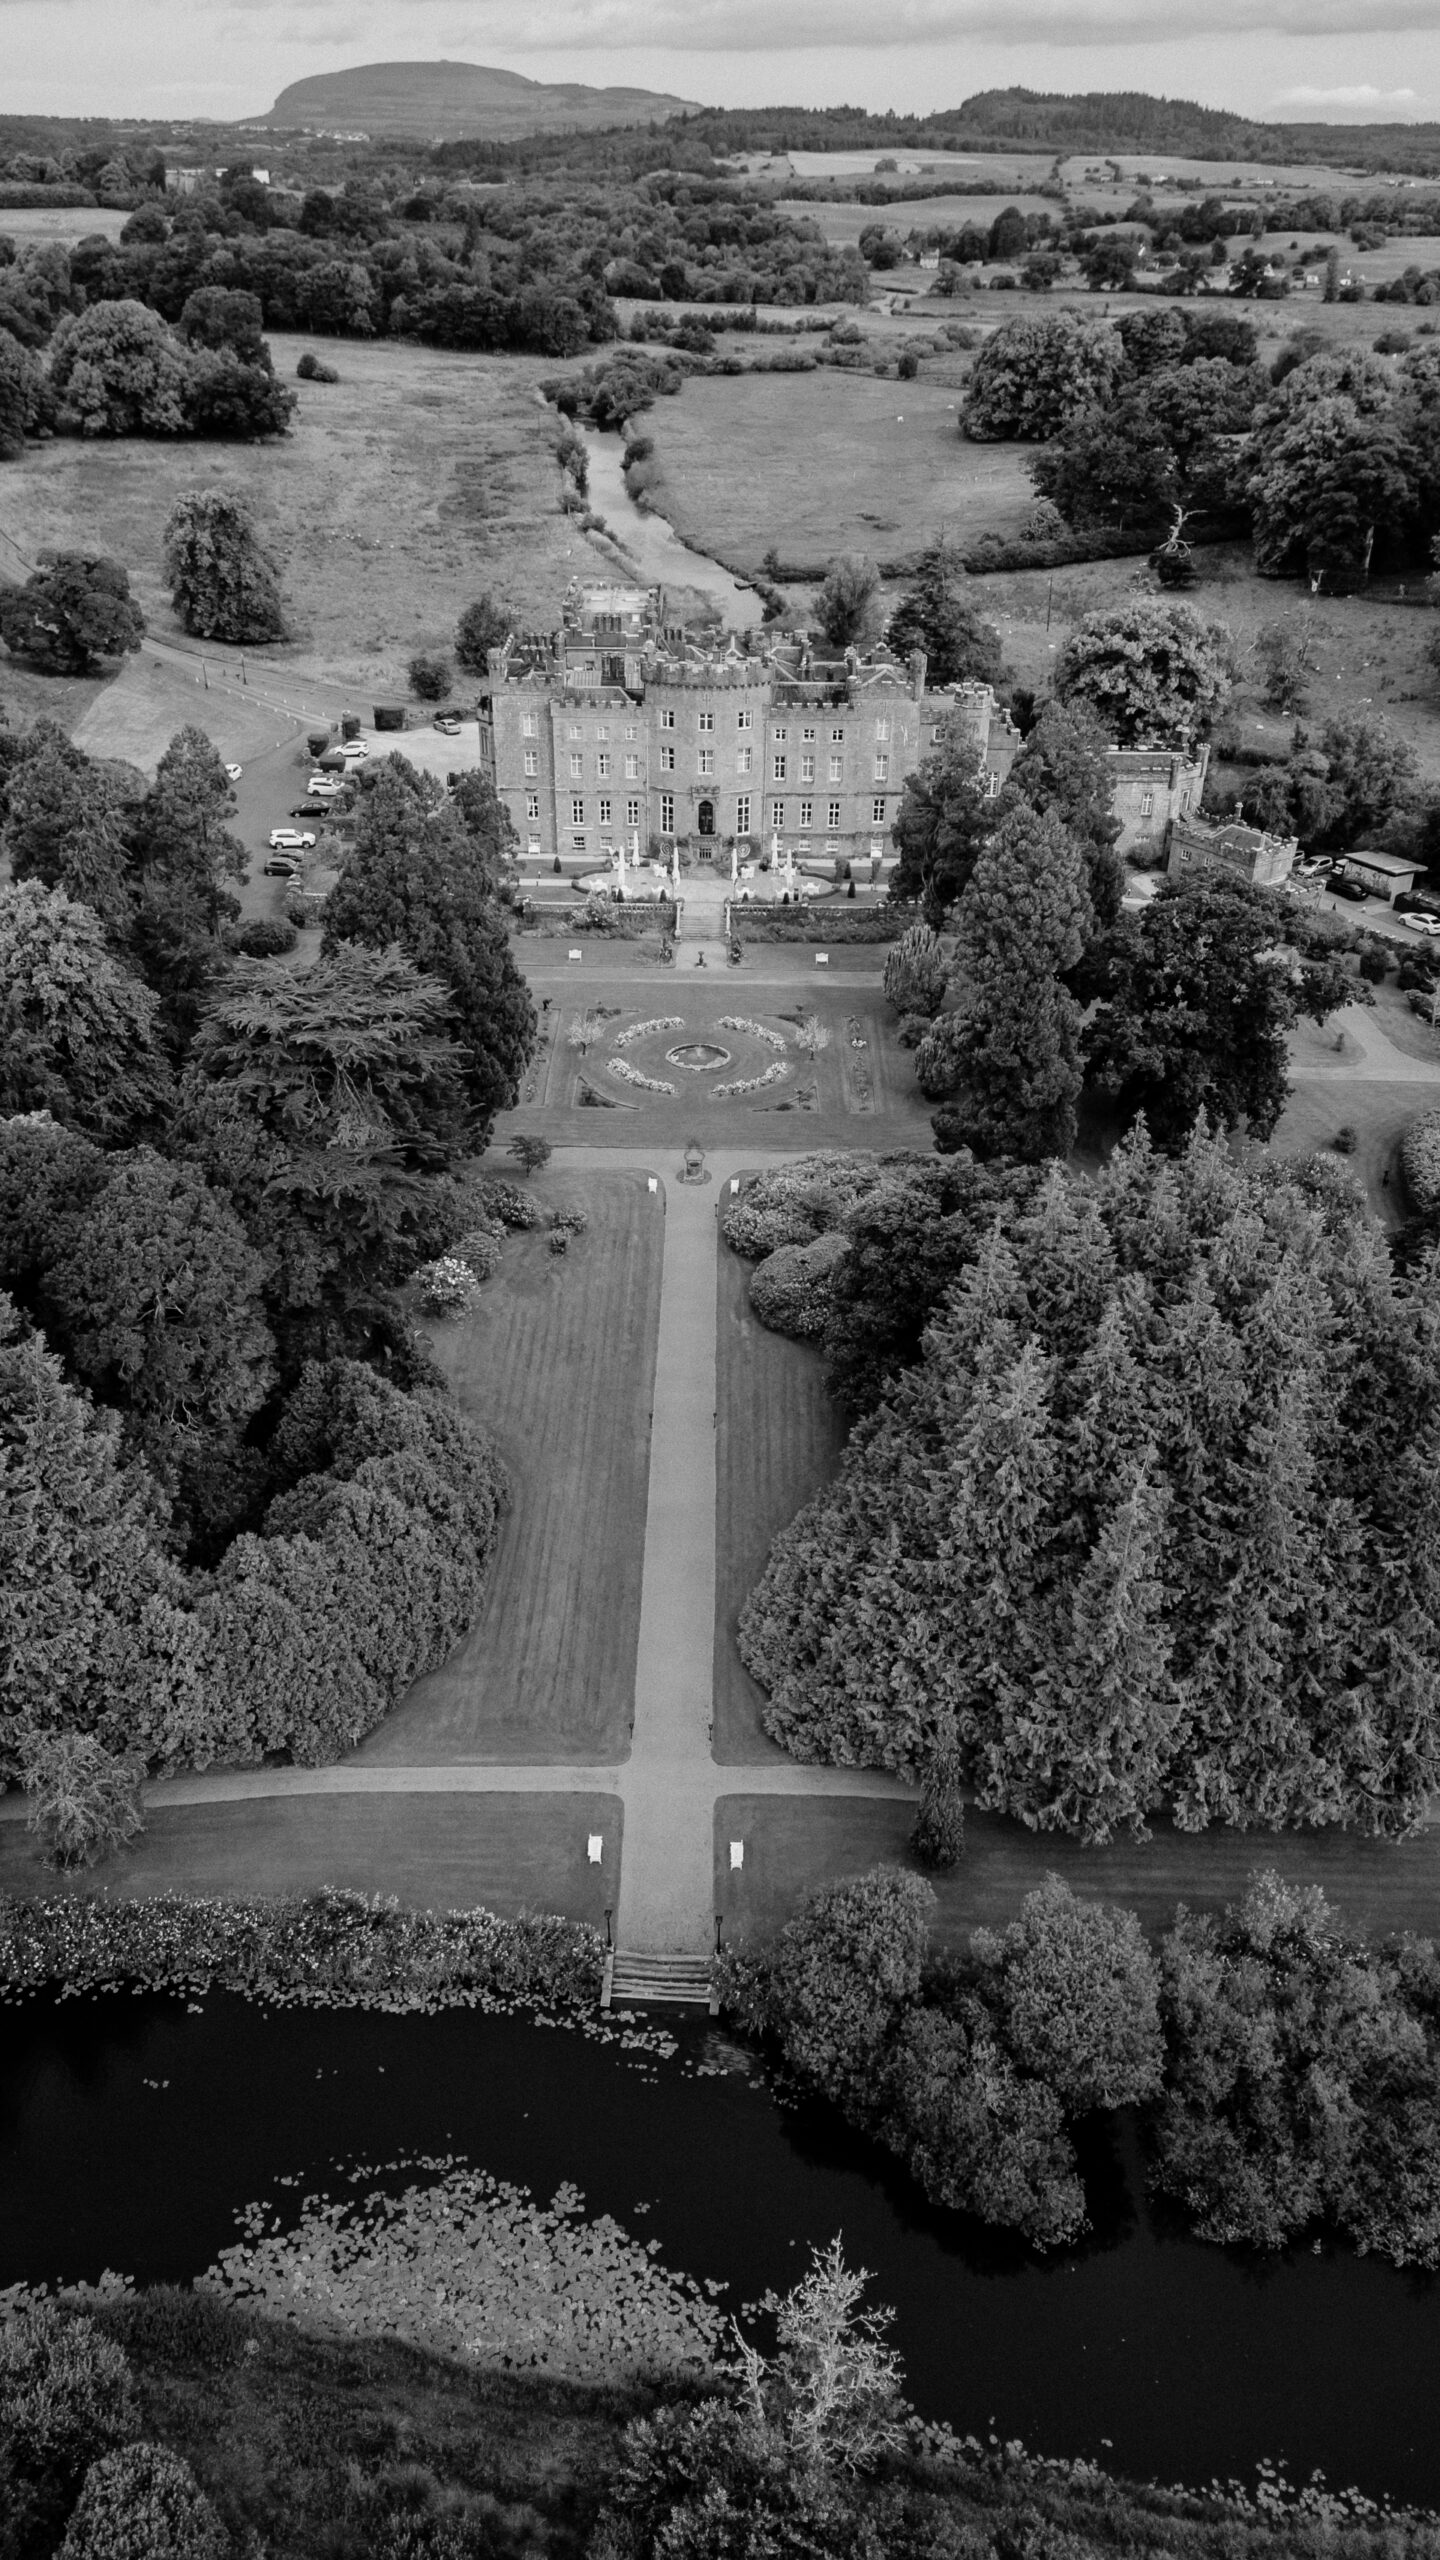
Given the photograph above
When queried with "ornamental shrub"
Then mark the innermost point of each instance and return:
(558, 1240)
(143, 2503)
(262, 938)
(572, 1216)
(480, 1251)
(802, 1198)
(431, 679)
(915, 972)
(447, 1286)
(791, 1290)
(506, 1202)
(66, 2395)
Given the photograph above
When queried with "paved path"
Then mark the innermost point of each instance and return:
(1367, 1057)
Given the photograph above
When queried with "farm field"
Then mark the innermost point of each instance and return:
(843, 222)
(66, 223)
(778, 1439)
(559, 1363)
(403, 490)
(815, 463)
(793, 1844)
(432, 1852)
(1003, 168)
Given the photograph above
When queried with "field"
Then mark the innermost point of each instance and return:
(559, 1363)
(1002, 168)
(67, 223)
(842, 222)
(416, 481)
(793, 1844)
(432, 1852)
(778, 1438)
(816, 463)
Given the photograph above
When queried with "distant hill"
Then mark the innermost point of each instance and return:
(458, 101)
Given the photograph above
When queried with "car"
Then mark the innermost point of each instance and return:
(280, 867)
(446, 723)
(233, 772)
(290, 840)
(314, 812)
(320, 787)
(354, 750)
(1344, 887)
(1422, 924)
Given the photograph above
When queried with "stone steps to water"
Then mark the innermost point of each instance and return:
(633, 1980)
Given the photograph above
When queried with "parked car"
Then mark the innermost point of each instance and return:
(1422, 924)
(280, 866)
(320, 787)
(290, 840)
(446, 723)
(314, 812)
(355, 750)
(1344, 887)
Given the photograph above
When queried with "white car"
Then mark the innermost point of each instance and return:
(1422, 924)
(233, 772)
(321, 786)
(355, 749)
(290, 840)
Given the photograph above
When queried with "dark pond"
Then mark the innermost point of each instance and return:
(131, 2129)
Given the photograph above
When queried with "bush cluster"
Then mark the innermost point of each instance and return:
(790, 1291)
(1291, 2072)
(509, 1205)
(1420, 1159)
(328, 1950)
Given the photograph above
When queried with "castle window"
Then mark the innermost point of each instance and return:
(877, 813)
(577, 813)
(742, 719)
(807, 813)
(632, 813)
(992, 785)
(576, 729)
(667, 759)
(630, 730)
(532, 760)
(600, 729)
(777, 813)
(632, 768)
(529, 726)
(1147, 804)
(742, 759)
(706, 758)
(807, 768)
(667, 719)
(577, 844)
(577, 767)
(532, 805)
(837, 737)
(534, 845)
(882, 728)
(808, 733)
(780, 736)
(742, 814)
(833, 818)
(882, 768)
(707, 720)
(605, 818)
(667, 813)
(602, 765)
(837, 768)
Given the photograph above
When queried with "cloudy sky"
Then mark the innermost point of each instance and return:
(1273, 58)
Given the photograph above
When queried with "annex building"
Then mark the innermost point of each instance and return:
(625, 724)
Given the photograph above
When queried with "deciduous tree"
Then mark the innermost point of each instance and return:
(78, 1034)
(73, 610)
(223, 583)
(1153, 673)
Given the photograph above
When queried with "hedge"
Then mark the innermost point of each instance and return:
(1420, 1159)
(327, 1950)
(27, 195)
(802, 924)
(792, 1291)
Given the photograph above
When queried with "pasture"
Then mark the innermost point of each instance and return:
(558, 1361)
(778, 1439)
(418, 480)
(815, 463)
(842, 222)
(1001, 168)
(65, 223)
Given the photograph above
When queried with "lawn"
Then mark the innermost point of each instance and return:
(559, 1362)
(403, 490)
(793, 1844)
(778, 1438)
(811, 464)
(510, 1853)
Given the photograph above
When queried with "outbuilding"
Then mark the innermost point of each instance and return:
(1383, 874)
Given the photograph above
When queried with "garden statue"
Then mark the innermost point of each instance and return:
(693, 1169)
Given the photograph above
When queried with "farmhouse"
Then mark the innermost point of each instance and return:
(1244, 853)
(625, 722)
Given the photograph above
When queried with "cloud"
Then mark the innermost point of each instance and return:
(1361, 95)
(771, 26)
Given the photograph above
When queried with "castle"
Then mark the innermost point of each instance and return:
(624, 723)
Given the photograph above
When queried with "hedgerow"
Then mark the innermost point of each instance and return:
(1420, 1159)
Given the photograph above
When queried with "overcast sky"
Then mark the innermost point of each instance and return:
(1271, 58)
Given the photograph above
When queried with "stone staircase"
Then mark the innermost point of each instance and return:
(638, 1981)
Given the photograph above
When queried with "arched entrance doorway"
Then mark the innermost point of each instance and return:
(705, 817)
